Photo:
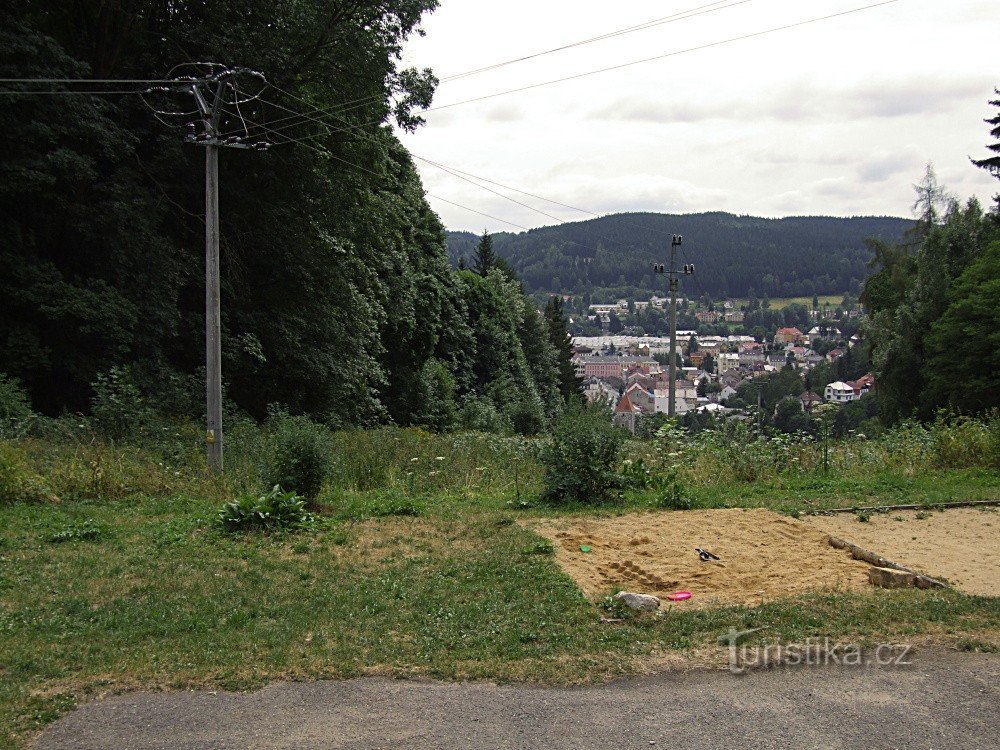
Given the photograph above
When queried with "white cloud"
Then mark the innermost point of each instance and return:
(836, 117)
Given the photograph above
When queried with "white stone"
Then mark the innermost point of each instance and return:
(644, 602)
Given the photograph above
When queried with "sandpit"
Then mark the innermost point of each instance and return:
(764, 556)
(961, 545)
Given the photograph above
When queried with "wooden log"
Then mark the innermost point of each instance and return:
(860, 553)
(908, 506)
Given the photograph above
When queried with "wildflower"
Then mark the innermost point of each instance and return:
(439, 458)
(414, 459)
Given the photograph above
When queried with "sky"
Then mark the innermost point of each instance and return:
(838, 117)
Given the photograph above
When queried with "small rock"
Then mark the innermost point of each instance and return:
(890, 578)
(644, 602)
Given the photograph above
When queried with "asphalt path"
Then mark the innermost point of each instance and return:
(943, 700)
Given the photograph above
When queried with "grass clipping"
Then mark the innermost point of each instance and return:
(764, 556)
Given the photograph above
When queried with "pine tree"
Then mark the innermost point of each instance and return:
(569, 382)
(486, 258)
(992, 163)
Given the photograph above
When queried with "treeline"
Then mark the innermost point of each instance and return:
(337, 297)
(934, 306)
(611, 257)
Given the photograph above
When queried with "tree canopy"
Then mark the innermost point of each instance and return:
(337, 296)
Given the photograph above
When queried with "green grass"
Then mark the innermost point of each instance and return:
(814, 493)
(415, 567)
(779, 303)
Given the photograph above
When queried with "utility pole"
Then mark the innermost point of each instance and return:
(672, 272)
(212, 93)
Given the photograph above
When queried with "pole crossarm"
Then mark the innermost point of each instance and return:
(213, 92)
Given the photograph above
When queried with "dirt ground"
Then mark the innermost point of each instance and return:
(764, 555)
(961, 545)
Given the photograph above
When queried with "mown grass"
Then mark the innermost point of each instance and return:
(416, 567)
(780, 303)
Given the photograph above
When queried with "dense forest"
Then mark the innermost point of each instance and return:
(934, 306)
(337, 297)
(612, 256)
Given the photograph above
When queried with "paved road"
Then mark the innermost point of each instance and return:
(944, 700)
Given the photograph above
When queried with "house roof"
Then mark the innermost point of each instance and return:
(840, 385)
(625, 406)
(790, 331)
(809, 396)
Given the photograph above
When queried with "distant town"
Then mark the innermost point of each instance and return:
(628, 370)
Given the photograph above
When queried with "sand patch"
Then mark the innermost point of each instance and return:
(961, 544)
(765, 555)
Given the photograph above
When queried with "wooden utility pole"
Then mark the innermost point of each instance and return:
(210, 93)
(213, 323)
(671, 271)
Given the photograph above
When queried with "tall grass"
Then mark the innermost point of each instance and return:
(73, 463)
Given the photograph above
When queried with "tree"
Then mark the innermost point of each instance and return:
(485, 258)
(931, 202)
(100, 203)
(963, 348)
(570, 384)
(992, 163)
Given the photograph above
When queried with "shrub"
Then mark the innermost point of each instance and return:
(478, 413)
(580, 461)
(18, 480)
(526, 417)
(301, 457)
(16, 415)
(117, 408)
(86, 531)
(675, 498)
(273, 510)
(963, 442)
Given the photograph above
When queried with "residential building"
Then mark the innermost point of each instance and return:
(809, 400)
(626, 414)
(840, 393)
(789, 336)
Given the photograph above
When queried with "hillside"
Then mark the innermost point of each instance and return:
(613, 255)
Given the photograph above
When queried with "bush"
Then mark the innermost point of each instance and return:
(86, 531)
(302, 455)
(18, 480)
(675, 498)
(273, 510)
(526, 418)
(15, 409)
(580, 462)
(117, 409)
(478, 413)
(962, 442)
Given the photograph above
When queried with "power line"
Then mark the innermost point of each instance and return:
(620, 66)
(495, 218)
(68, 93)
(664, 56)
(85, 80)
(327, 154)
(450, 170)
(447, 168)
(491, 190)
(679, 16)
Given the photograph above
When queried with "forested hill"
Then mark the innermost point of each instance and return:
(613, 255)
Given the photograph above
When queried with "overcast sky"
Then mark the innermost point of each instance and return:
(837, 117)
